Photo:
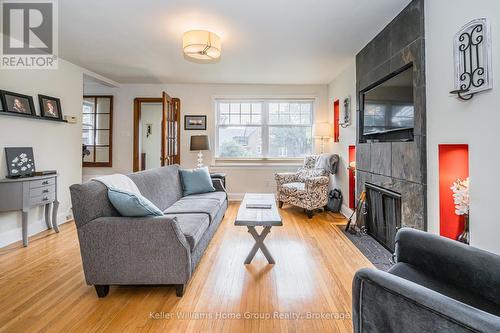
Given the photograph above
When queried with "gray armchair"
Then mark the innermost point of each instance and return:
(437, 285)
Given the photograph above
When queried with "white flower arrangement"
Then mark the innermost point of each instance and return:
(460, 190)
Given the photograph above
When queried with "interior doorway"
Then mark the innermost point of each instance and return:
(156, 132)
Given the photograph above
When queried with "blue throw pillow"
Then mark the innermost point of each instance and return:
(196, 181)
(131, 204)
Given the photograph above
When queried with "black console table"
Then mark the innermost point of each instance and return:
(25, 193)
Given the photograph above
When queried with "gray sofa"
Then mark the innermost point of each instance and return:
(154, 250)
(437, 285)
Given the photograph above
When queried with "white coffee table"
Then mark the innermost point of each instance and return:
(259, 217)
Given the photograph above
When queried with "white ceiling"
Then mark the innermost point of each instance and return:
(263, 41)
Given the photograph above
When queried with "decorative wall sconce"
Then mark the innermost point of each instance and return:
(346, 113)
(149, 130)
(472, 51)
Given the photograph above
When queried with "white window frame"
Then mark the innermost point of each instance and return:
(264, 127)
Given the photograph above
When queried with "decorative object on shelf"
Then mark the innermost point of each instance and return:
(195, 123)
(199, 143)
(201, 45)
(50, 107)
(472, 51)
(323, 131)
(20, 161)
(17, 103)
(346, 113)
(460, 190)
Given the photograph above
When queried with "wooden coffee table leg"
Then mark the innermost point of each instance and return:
(259, 244)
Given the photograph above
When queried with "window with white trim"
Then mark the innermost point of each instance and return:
(264, 129)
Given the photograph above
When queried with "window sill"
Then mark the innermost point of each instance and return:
(258, 163)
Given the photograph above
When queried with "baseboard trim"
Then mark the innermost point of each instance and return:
(34, 227)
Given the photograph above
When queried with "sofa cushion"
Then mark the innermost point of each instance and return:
(161, 186)
(293, 189)
(218, 196)
(193, 226)
(196, 181)
(132, 204)
(194, 206)
(411, 273)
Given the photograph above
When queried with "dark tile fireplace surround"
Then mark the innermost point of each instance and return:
(395, 166)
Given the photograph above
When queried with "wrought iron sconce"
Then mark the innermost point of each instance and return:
(346, 114)
(472, 48)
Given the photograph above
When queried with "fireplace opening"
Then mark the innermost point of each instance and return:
(383, 217)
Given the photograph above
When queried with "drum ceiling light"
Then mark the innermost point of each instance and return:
(201, 45)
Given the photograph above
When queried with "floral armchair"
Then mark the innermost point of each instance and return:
(308, 187)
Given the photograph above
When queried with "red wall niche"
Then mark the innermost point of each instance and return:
(336, 120)
(352, 177)
(453, 164)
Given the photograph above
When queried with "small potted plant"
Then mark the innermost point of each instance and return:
(460, 190)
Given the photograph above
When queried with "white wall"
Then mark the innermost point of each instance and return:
(197, 99)
(475, 122)
(344, 85)
(55, 145)
(151, 113)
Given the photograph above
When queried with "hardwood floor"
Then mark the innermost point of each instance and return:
(42, 287)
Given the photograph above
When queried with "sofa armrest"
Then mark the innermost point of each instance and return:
(451, 261)
(219, 186)
(285, 177)
(383, 302)
(129, 250)
(315, 182)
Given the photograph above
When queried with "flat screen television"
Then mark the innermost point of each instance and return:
(388, 107)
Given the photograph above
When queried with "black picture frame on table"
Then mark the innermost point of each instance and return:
(50, 107)
(195, 123)
(17, 104)
(20, 162)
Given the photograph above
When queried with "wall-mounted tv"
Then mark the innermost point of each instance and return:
(388, 107)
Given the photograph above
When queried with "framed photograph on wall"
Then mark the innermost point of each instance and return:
(195, 123)
(17, 103)
(50, 107)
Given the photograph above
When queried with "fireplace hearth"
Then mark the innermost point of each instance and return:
(383, 217)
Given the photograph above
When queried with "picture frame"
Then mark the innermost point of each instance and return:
(18, 104)
(50, 107)
(20, 161)
(195, 123)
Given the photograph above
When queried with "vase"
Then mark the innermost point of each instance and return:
(464, 236)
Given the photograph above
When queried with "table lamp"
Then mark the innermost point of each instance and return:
(322, 131)
(199, 143)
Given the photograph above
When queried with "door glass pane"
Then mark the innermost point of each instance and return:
(89, 158)
(103, 105)
(87, 121)
(102, 121)
(88, 105)
(88, 137)
(102, 137)
(102, 154)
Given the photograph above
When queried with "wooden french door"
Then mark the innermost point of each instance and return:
(170, 145)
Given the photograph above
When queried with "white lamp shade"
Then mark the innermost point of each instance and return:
(201, 45)
(322, 130)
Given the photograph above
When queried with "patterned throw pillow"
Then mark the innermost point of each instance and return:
(310, 161)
